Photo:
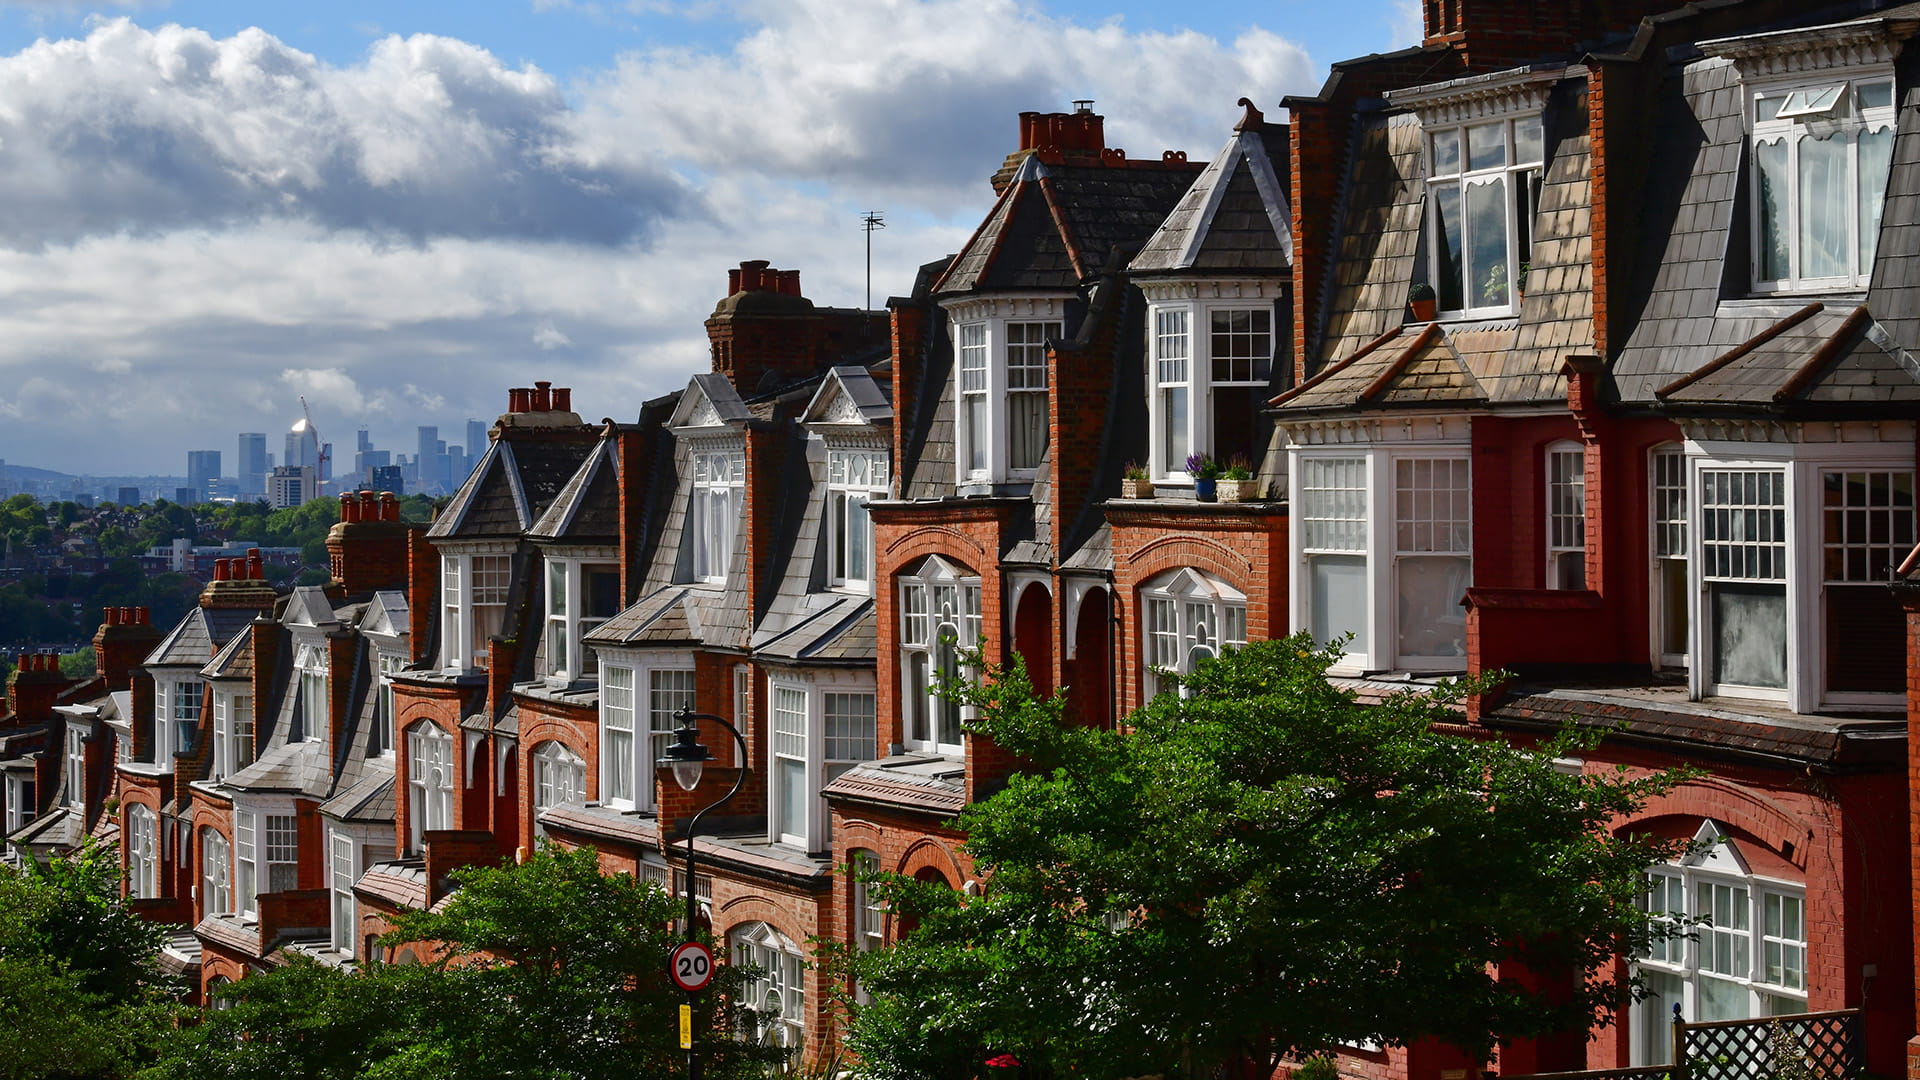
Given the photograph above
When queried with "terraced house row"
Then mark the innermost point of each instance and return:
(1580, 340)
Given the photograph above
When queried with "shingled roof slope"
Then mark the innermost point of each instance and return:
(587, 510)
(1235, 216)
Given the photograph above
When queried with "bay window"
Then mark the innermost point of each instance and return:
(1483, 181)
(559, 779)
(76, 766)
(266, 855)
(1821, 155)
(1748, 956)
(143, 862)
(176, 711)
(341, 873)
(1211, 364)
(719, 486)
(940, 617)
(822, 726)
(232, 733)
(473, 589)
(1743, 556)
(21, 805)
(1867, 528)
(640, 699)
(1190, 616)
(1669, 586)
(429, 781)
(854, 478)
(1001, 386)
(580, 596)
(1383, 552)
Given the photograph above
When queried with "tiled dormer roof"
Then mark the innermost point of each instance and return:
(507, 492)
(587, 510)
(198, 636)
(1423, 368)
(1055, 226)
(1235, 217)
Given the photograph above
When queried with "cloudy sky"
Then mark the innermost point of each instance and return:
(397, 209)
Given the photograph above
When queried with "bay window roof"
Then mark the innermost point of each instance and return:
(1235, 218)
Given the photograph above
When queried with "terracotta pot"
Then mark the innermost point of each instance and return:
(1424, 310)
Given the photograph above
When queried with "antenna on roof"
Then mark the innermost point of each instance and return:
(870, 222)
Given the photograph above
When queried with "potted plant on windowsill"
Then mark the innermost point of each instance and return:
(1206, 475)
(1134, 482)
(1420, 298)
(1236, 481)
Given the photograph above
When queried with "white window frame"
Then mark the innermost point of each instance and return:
(994, 346)
(777, 991)
(1803, 466)
(808, 712)
(216, 874)
(1564, 477)
(1188, 615)
(474, 583)
(855, 477)
(73, 790)
(559, 779)
(1180, 395)
(22, 804)
(924, 650)
(429, 792)
(1356, 514)
(385, 709)
(232, 732)
(1802, 117)
(1705, 877)
(343, 869)
(568, 618)
(661, 681)
(718, 470)
(176, 713)
(1669, 523)
(313, 673)
(143, 853)
(1461, 177)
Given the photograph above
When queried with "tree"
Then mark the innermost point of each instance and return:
(81, 995)
(1259, 865)
(546, 969)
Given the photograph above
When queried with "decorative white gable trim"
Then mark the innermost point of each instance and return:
(1036, 308)
(1481, 97)
(1785, 53)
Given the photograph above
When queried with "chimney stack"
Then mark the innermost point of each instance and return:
(367, 548)
(124, 639)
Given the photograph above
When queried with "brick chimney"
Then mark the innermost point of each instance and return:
(765, 333)
(239, 582)
(34, 686)
(1075, 138)
(367, 548)
(125, 637)
(542, 405)
(1494, 34)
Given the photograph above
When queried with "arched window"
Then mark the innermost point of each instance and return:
(1189, 617)
(776, 993)
(559, 779)
(869, 912)
(429, 780)
(216, 996)
(142, 863)
(1747, 957)
(216, 874)
(940, 616)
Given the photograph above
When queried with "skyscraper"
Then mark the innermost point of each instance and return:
(432, 460)
(203, 473)
(252, 464)
(476, 440)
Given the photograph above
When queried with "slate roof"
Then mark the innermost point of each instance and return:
(196, 637)
(233, 661)
(1425, 367)
(1054, 226)
(840, 628)
(511, 487)
(1235, 217)
(673, 614)
(923, 782)
(371, 801)
(587, 510)
(1373, 262)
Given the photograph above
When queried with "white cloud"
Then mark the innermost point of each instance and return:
(549, 337)
(1407, 23)
(138, 130)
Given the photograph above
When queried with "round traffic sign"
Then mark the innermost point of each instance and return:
(690, 966)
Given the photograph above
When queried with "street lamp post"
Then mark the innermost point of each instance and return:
(688, 759)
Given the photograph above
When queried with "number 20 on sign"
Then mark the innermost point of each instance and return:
(690, 966)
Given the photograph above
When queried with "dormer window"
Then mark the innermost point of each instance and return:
(1821, 154)
(310, 719)
(719, 487)
(1001, 381)
(474, 603)
(1483, 181)
(176, 714)
(854, 478)
(76, 767)
(232, 733)
(1212, 360)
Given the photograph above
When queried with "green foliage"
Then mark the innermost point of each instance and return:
(80, 994)
(1261, 866)
(80, 664)
(547, 969)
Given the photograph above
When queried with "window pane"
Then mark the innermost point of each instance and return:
(1173, 417)
(850, 727)
(1446, 152)
(793, 796)
(1027, 428)
(1749, 634)
(1432, 622)
(1527, 141)
(1338, 598)
(1876, 158)
(1487, 243)
(1486, 146)
(1770, 253)
(1333, 503)
(1823, 205)
(1448, 285)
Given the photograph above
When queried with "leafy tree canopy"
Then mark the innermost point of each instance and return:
(1259, 864)
(547, 969)
(80, 993)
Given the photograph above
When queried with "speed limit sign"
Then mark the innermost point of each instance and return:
(690, 966)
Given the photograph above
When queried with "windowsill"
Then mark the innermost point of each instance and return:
(1185, 503)
(1781, 304)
